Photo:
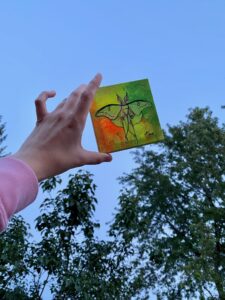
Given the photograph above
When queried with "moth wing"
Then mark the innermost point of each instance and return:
(110, 111)
(136, 108)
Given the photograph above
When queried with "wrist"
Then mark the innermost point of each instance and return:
(32, 163)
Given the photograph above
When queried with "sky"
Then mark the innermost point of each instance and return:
(178, 45)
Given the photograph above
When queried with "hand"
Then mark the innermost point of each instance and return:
(54, 146)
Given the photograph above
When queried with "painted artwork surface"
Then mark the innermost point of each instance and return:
(124, 116)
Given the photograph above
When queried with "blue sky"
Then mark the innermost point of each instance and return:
(178, 45)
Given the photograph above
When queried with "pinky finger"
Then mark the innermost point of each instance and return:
(40, 103)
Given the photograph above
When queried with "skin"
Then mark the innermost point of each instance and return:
(54, 146)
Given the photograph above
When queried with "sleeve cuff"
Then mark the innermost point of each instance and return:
(18, 187)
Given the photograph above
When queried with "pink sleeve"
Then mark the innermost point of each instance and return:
(18, 188)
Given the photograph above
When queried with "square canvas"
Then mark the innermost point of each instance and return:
(124, 116)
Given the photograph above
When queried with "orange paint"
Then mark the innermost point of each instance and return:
(114, 135)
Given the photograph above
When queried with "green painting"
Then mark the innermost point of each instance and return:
(124, 116)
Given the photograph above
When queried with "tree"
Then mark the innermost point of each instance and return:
(2, 137)
(14, 246)
(69, 259)
(78, 263)
(171, 212)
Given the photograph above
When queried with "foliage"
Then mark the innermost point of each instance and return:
(68, 259)
(2, 137)
(172, 211)
(13, 267)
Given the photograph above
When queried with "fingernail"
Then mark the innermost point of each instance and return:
(98, 75)
(108, 157)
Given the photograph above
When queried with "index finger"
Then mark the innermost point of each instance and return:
(95, 83)
(88, 95)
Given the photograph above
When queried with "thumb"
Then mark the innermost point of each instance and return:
(94, 158)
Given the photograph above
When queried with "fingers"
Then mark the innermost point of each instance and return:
(61, 104)
(81, 98)
(88, 95)
(93, 158)
(75, 96)
(40, 104)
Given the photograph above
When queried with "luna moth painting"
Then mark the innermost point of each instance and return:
(124, 116)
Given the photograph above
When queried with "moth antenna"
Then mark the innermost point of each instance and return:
(126, 98)
(119, 99)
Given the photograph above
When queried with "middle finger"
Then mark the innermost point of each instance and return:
(74, 97)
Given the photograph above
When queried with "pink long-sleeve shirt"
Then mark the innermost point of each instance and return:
(18, 188)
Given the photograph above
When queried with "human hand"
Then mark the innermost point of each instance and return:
(54, 146)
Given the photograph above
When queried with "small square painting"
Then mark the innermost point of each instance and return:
(124, 116)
